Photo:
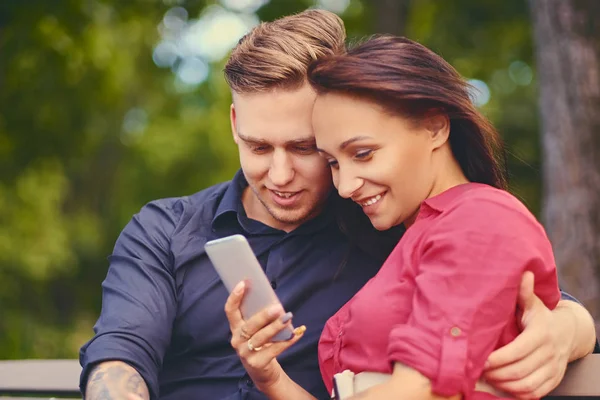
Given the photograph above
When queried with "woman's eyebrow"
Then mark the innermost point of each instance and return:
(352, 140)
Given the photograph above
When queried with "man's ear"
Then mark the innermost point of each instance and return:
(438, 126)
(232, 119)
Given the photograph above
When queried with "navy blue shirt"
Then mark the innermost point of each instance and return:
(162, 300)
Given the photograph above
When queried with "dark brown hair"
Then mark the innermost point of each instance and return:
(409, 80)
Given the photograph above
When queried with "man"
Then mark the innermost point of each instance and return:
(163, 333)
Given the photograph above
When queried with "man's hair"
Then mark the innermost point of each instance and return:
(276, 55)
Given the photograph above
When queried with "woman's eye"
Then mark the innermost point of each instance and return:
(364, 155)
(332, 163)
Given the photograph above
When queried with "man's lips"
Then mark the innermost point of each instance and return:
(285, 198)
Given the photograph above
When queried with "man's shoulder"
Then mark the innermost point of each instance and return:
(203, 202)
(172, 214)
(207, 197)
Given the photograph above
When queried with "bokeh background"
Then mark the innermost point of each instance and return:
(108, 104)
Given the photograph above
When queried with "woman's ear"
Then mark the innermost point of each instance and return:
(438, 126)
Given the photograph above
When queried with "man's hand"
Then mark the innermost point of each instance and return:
(535, 362)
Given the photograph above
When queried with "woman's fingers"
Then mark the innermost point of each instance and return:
(269, 351)
(265, 335)
(263, 318)
(232, 306)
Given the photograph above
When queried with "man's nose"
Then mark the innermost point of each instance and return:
(281, 171)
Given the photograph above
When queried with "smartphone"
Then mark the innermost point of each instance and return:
(234, 261)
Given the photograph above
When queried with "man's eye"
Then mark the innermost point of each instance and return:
(305, 149)
(364, 155)
(259, 149)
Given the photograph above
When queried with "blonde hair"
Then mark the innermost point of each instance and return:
(277, 54)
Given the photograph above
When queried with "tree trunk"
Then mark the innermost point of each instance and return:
(567, 36)
(391, 15)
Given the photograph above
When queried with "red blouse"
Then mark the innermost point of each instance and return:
(447, 295)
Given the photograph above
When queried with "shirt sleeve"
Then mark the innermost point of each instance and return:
(469, 271)
(138, 297)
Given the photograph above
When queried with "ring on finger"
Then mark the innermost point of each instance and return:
(244, 334)
(252, 348)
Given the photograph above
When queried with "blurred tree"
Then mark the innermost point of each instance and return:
(567, 35)
(391, 16)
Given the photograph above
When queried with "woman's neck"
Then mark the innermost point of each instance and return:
(448, 172)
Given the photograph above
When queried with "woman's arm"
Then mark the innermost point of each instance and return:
(533, 364)
(406, 383)
(286, 389)
(467, 284)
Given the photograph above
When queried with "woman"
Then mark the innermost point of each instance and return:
(405, 142)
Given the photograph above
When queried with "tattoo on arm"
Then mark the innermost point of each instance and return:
(114, 380)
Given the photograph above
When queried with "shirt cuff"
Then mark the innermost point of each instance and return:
(441, 358)
(116, 348)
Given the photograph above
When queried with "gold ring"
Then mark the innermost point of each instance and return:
(244, 334)
(252, 348)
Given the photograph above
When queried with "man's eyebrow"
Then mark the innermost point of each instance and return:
(249, 139)
(310, 140)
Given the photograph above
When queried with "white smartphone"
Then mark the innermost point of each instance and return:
(235, 261)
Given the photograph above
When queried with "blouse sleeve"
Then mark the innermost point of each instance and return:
(469, 272)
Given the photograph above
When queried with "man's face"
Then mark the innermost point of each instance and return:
(288, 180)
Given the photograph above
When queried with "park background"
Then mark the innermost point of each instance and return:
(106, 105)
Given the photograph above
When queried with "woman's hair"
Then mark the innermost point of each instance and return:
(276, 54)
(409, 80)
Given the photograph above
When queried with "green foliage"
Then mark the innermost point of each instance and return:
(91, 129)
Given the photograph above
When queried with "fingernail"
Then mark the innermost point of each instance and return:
(286, 317)
(275, 310)
(300, 330)
(239, 288)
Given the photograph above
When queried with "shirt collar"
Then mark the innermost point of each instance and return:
(441, 201)
(231, 202)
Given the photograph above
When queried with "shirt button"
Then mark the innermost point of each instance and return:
(455, 331)
(274, 284)
(249, 382)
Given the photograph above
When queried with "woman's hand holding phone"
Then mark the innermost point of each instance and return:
(252, 338)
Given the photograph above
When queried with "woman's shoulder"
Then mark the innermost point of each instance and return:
(480, 204)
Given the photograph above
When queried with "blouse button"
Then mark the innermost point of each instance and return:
(455, 331)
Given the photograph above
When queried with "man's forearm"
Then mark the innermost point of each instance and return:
(114, 380)
(583, 334)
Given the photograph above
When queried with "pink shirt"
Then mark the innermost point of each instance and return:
(447, 295)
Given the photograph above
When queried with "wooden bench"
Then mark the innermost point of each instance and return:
(46, 378)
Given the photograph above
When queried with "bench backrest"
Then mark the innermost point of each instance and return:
(61, 378)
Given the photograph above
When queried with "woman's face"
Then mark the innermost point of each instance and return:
(384, 163)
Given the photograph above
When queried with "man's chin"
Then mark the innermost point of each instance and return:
(290, 217)
(295, 215)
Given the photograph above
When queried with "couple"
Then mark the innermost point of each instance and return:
(395, 129)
